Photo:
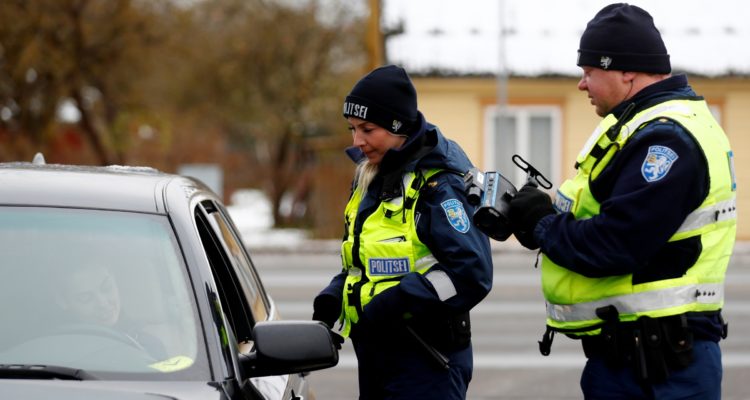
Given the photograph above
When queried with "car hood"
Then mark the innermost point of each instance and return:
(31, 389)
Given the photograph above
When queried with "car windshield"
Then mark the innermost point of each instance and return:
(101, 291)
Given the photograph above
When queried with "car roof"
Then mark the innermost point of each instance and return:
(125, 188)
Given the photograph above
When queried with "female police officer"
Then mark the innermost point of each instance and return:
(413, 266)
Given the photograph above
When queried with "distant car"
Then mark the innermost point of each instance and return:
(129, 283)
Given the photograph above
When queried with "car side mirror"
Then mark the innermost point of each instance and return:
(287, 347)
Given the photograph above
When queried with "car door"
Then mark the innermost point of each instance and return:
(242, 295)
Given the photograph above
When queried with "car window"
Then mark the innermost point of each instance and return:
(249, 280)
(231, 301)
(242, 268)
(101, 291)
(240, 292)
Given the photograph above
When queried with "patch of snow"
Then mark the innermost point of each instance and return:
(252, 213)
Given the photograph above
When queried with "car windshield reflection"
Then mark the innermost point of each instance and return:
(101, 291)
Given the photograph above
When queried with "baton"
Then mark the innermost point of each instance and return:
(440, 359)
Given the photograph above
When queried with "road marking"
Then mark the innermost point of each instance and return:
(487, 360)
(489, 308)
(292, 279)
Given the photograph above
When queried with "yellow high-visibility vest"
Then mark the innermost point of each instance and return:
(572, 299)
(388, 247)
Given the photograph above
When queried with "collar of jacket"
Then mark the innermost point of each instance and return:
(396, 163)
(674, 86)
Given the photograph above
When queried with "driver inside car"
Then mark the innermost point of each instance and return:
(90, 297)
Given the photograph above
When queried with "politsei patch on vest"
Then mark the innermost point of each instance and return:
(456, 214)
(659, 160)
(388, 266)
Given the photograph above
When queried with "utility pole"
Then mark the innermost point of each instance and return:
(502, 70)
(374, 37)
(501, 122)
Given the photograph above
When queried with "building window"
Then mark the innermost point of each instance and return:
(532, 132)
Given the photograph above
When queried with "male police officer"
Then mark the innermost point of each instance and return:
(635, 248)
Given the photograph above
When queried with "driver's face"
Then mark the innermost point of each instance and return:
(91, 294)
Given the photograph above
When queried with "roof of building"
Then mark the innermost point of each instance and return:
(450, 37)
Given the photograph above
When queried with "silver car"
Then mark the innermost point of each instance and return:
(129, 283)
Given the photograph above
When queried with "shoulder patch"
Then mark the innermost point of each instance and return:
(454, 211)
(657, 163)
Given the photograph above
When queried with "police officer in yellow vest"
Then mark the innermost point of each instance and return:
(635, 247)
(413, 265)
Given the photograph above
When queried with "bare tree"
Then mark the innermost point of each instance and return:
(279, 75)
(89, 52)
(29, 88)
(243, 83)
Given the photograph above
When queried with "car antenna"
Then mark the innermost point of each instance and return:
(38, 159)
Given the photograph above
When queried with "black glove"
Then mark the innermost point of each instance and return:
(386, 307)
(337, 339)
(326, 309)
(527, 207)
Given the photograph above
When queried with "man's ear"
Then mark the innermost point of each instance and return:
(628, 77)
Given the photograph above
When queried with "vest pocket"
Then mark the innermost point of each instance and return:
(346, 254)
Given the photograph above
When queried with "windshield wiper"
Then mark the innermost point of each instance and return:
(37, 371)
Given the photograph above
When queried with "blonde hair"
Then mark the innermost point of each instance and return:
(364, 175)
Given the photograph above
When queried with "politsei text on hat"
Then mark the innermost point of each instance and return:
(355, 110)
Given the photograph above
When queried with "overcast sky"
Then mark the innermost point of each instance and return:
(702, 36)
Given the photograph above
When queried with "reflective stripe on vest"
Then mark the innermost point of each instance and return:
(707, 293)
(722, 211)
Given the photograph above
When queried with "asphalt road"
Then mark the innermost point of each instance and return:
(506, 327)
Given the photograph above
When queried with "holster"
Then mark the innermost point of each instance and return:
(609, 340)
(649, 355)
(679, 341)
(652, 346)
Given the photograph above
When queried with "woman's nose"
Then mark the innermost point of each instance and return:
(357, 139)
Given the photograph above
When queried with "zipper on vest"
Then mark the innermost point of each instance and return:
(396, 239)
(355, 289)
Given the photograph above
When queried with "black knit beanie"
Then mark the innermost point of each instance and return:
(623, 37)
(385, 97)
